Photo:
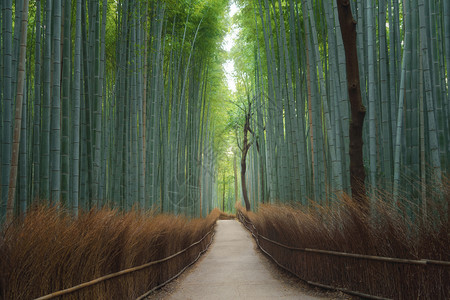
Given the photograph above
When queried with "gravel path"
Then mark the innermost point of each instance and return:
(233, 268)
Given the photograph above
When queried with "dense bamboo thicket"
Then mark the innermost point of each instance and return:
(122, 104)
(294, 79)
(50, 251)
(345, 228)
(290, 61)
(115, 104)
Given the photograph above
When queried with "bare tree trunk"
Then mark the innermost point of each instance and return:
(246, 145)
(358, 111)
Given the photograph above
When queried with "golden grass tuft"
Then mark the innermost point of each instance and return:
(384, 231)
(49, 251)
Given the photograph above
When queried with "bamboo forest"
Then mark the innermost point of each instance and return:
(136, 133)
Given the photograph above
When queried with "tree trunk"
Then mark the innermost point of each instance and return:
(246, 145)
(358, 111)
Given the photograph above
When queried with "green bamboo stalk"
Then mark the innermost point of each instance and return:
(446, 6)
(372, 98)
(7, 104)
(140, 88)
(75, 174)
(275, 114)
(65, 106)
(23, 157)
(446, 13)
(2, 26)
(423, 178)
(396, 46)
(386, 136)
(18, 114)
(44, 184)
(87, 174)
(55, 122)
(413, 105)
(401, 100)
(406, 138)
(37, 104)
(84, 178)
(103, 104)
(392, 81)
(434, 50)
(134, 119)
(97, 108)
(156, 106)
(120, 101)
(15, 47)
(335, 97)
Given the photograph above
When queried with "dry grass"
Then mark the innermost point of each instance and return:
(344, 228)
(226, 216)
(49, 251)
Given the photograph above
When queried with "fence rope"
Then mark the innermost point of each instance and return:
(244, 220)
(120, 273)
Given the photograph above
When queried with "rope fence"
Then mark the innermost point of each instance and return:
(253, 230)
(132, 270)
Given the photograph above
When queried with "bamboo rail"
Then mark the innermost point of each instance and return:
(256, 235)
(353, 255)
(362, 256)
(178, 274)
(127, 271)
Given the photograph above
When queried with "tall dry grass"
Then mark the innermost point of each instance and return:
(50, 251)
(384, 231)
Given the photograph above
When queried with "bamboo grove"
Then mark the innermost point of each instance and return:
(294, 75)
(116, 103)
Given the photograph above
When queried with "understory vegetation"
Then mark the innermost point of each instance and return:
(50, 250)
(386, 232)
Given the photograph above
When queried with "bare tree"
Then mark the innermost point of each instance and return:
(246, 144)
(357, 172)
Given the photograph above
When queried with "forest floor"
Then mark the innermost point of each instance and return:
(234, 268)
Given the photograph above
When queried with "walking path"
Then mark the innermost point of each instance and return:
(233, 269)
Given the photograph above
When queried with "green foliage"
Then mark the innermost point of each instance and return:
(161, 75)
(289, 55)
(160, 94)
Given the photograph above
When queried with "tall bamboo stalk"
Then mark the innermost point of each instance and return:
(17, 115)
